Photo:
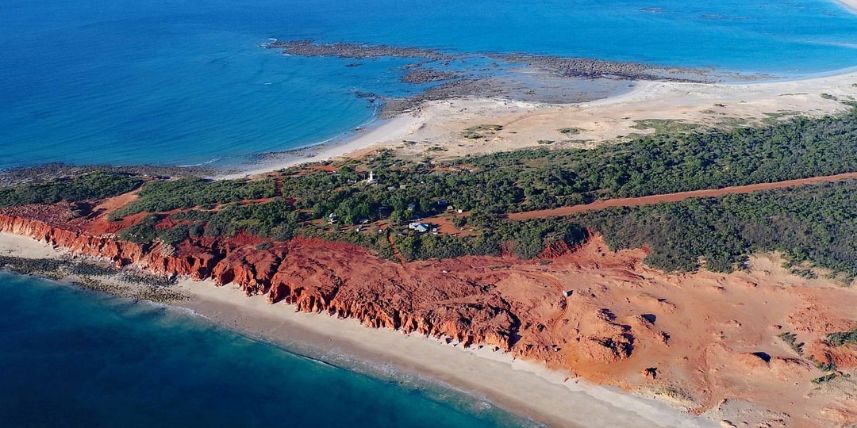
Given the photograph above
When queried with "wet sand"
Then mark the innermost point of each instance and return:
(360, 140)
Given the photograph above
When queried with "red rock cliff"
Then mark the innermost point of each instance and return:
(313, 275)
(596, 313)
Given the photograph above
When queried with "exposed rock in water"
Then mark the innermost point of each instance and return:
(569, 91)
(596, 68)
(454, 89)
(560, 80)
(419, 74)
(560, 66)
(353, 50)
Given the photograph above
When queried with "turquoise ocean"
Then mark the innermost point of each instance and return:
(74, 358)
(185, 82)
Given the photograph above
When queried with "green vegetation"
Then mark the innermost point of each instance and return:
(825, 367)
(791, 339)
(276, 220)
(811, 225)
(96, 185)
(526, 239)
(539, 178)
(142, 232)
(774, 118)
(843, 338)
(801, 271)
(664, 126)
(159, 196)
(807, 224)
(570, 131)
(481, 131)
(824, 379)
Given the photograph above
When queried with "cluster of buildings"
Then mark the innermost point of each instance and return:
(421, 227)
(417, 226)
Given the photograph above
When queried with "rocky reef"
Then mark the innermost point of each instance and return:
(353, 50)
(458, 75)
(590, 68)
(576, 67)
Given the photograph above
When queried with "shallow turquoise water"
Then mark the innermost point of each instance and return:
(79, 359)
(184, 82)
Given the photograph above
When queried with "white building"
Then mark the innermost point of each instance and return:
(419, 227)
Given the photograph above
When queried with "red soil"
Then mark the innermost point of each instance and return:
(676, 197)
(707, 340)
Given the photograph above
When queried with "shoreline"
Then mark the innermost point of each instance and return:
(341, 146)
(391, 133)
(438, 124)
(850, 5)
(521, 387)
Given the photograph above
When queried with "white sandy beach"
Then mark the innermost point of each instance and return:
(849, 4)
(523, 387)
(439, 125)
(388, 130)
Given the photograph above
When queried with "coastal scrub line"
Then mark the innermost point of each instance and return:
(405, 210)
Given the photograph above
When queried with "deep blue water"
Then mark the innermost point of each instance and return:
(74, 358)
(185, 82)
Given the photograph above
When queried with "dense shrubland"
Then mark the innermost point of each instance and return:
(540, 178)
(811, 224)
(167, 195)
(843, 338)
(808, 224)
(96, 185)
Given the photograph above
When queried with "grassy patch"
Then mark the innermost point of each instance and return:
(774, 118)
(791, 339)
(824, 379)
(843, 338)
(481, 131)
(665, 126)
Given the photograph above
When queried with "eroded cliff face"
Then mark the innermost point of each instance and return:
(708, 341)
(313, 275)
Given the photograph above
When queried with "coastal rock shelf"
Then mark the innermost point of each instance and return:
(561, 66)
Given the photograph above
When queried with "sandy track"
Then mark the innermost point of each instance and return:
(677, 197)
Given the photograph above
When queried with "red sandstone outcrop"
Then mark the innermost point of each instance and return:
(311, 275)
(600, 314)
